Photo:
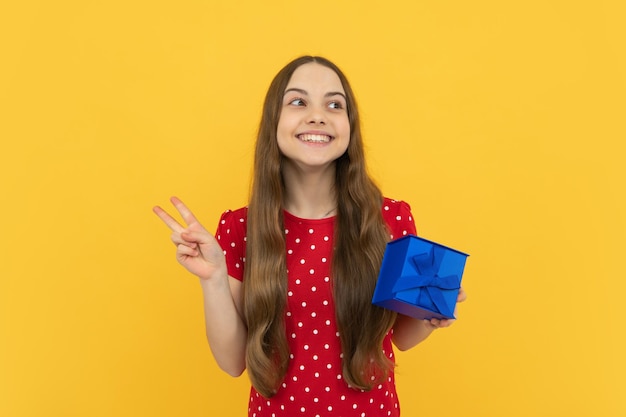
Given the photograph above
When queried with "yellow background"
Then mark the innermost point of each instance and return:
(501, 123)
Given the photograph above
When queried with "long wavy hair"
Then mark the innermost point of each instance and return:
(359, 224)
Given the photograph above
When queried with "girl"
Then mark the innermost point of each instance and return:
(288, 280)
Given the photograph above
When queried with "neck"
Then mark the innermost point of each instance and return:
(310, 195)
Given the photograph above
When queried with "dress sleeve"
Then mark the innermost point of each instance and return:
(231, 235)
(397, 215)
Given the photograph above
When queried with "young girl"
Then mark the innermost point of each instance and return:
(288, 280)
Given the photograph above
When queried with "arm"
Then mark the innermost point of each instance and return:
(200, 253)
(225, 329)
(408, 332)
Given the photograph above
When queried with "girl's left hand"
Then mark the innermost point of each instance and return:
(440, 323)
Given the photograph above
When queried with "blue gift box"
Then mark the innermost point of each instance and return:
(420, 278)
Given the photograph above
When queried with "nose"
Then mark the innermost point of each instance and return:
(316, 116)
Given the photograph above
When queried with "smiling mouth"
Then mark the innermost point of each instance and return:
(306, 137)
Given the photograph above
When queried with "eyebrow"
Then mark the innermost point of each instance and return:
(329, 94)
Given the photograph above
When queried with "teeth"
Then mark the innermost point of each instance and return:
(314, 138)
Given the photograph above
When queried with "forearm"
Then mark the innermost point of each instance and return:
(408, 332)
(225, 329)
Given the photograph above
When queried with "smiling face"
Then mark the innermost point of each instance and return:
(313, 128)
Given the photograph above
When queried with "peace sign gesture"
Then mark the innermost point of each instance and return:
(196, 248)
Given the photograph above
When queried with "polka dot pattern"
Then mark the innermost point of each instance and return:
(314, 385)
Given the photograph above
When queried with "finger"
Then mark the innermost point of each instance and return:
(432, 323)
(462, 296)
(184, 211)
(168, 220)
(446, 323)
(178, 240)
(183, 251)
(195, 237)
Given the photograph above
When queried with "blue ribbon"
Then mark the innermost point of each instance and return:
(427, 280)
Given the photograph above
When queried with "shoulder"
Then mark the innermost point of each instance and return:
(231, 235)
(233, 224)
(239, 215)
(398, 216)
(394, 208)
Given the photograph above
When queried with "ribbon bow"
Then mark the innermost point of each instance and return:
(426, 284)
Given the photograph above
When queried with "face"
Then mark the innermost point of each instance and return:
(313, 128)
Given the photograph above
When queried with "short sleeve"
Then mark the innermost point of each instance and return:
(399, 219)
(231, 235)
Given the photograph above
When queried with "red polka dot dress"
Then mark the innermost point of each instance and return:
(313, 385)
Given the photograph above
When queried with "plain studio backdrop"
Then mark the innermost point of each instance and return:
(501, 123)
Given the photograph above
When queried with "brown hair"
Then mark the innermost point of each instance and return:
(359, 224)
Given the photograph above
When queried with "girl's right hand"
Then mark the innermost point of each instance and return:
(196, 249)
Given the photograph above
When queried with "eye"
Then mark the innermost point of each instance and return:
(297, 102)
(335, 105)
